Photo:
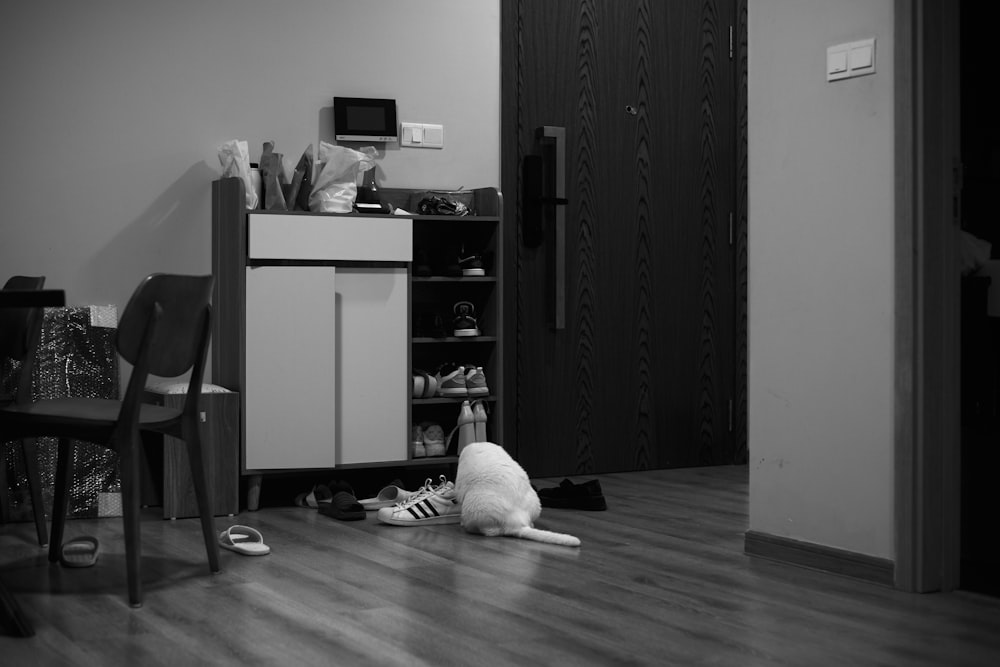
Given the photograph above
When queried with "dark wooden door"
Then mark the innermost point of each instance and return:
(643, 374)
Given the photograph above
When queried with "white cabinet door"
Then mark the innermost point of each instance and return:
(291, 371)
(327, 374)
(373, 378)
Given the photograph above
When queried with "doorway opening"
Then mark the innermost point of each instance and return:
(980, 341)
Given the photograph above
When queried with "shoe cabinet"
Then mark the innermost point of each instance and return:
(320, 319)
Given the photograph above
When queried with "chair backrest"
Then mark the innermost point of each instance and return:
(182, 327)
(20, 329)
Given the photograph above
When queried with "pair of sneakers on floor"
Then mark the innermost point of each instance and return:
(431, 504)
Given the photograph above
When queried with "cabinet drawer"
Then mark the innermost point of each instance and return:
(345, 238)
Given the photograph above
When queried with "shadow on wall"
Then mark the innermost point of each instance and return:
(173, 234)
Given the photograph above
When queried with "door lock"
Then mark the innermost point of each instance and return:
(545, 192)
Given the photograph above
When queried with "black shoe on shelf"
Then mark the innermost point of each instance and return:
(465, 319)
(471, 265)
(464, 263)
(422, 263)
(453, 267)
(585, 496)
(429, 325)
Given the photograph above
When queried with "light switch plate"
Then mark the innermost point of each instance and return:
(861, 59)
(844, 61)
(836, 64)
(422, 135)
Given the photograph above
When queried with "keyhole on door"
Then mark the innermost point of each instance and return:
(631, 110)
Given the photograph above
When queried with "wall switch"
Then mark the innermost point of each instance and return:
(422, 135)
(844, 61)
(861, 58)
(836, 63)
(434, 136)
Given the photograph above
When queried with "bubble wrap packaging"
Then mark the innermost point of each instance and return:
(76, 358)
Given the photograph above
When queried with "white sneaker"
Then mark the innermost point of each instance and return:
(451, 381)
(475, 382)
(433, 435)
(417, 448)
(430, 505)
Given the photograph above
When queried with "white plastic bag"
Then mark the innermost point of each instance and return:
(336, 187)
(234, 156)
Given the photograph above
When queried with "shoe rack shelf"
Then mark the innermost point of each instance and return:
(435, 286)
(254, 346)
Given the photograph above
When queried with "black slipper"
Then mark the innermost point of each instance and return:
(585, 496)
(343, 505)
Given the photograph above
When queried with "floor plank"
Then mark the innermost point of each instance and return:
(661, 578)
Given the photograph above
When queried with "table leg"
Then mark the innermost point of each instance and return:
(253, 492)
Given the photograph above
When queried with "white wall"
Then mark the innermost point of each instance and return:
(113, 110)
(821, 277)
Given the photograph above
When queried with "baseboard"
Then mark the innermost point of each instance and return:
(819, 557)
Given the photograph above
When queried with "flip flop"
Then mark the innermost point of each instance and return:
(387, 497)
(80, 551)
(343, 505)
(244, 540)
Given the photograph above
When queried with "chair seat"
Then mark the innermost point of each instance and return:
(96, 412)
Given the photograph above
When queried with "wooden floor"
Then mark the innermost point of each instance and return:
(661, 579)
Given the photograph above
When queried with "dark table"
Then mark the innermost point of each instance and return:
(32, 298)
(10, 610)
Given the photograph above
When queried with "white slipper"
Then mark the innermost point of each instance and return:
(80, 551)
(387, 497)
(244, 540)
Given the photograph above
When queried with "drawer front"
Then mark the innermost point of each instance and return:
(344, 238)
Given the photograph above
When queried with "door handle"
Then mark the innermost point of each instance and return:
(545, 195)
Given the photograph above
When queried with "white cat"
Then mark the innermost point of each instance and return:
(497, 498)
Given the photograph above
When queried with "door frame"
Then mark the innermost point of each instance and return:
(510, 183)
(927, 295)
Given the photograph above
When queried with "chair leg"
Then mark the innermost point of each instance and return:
(30, 450)
(196, 457)
(60, 501)
(129, 463)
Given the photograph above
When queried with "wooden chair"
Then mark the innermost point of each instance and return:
(164, 331)
(20, 331)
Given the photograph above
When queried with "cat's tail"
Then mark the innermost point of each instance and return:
(545, 536)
